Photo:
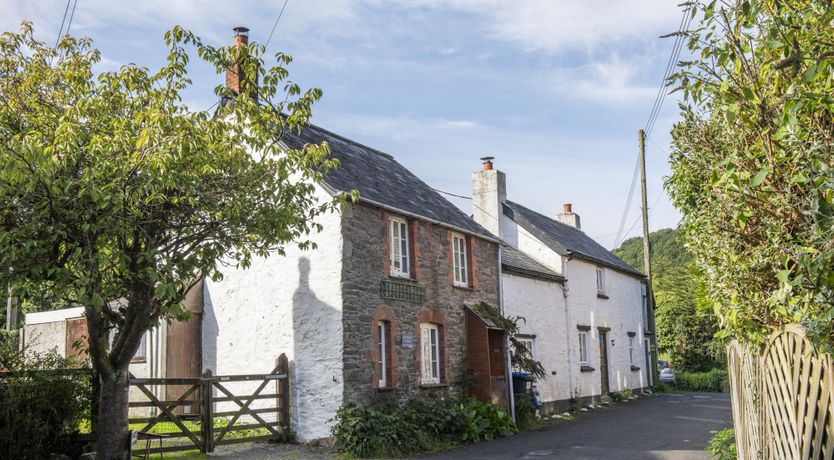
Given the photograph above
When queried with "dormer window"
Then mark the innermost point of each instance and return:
(399, 248)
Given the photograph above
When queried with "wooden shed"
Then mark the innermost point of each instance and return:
(486, 358)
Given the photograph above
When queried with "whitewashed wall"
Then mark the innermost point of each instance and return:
(622, 312)
(542, 304)
(290, 304)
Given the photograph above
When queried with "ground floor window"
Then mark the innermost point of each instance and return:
(583, 347)
(383, 328)
(529, 343)
(430, 353)
(631, 350)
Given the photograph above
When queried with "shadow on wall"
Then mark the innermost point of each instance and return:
(210, 331)
(317, 343)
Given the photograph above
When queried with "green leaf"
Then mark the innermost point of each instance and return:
(759, 177)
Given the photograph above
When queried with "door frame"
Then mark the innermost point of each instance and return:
(605, 381)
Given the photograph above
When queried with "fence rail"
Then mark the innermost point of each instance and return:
(783, 398)
(174, 414)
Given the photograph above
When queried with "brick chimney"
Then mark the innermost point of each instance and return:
(567, 216)
(489, 191)
(234, 76)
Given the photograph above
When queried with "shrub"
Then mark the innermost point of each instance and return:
(622, 395)
(419, 426)
(714, 380)
(525, 414)
(722, 445)
(45, 400)
(660, 387)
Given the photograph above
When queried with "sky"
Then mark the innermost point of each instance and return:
(555, 90)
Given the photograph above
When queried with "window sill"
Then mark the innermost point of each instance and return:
(465, 287)
(138, 361)
(635, 368)
(602, 296)
(400, 276)
(434, 385)
(585, 368)
(385, 388)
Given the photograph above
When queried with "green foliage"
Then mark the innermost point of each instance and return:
(42, 402)
(525, 413)
(751, 163)
(422, 425)
(722, 445)
(522, 357)
(715, 380)
(685, 321)
(660, 387)
(622, 395)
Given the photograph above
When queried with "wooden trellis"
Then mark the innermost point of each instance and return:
(782, 398)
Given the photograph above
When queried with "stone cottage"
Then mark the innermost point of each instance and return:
(377, 311)
(585, 308)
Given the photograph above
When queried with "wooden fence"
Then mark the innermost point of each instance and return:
(175, 414)
(782, 398)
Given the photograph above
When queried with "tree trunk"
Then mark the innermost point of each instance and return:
(112, 415)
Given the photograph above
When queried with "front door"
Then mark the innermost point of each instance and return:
(603, 360)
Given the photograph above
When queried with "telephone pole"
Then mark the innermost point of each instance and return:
(647, 261)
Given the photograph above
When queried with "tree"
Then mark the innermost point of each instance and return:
(685, 321)
(121, 198)
(752, 163)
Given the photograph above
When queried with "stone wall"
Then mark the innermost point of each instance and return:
(365, 236)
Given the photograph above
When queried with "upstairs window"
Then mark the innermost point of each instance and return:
(583, 347)
(600, 281)
(459, 260)
(399, 248)
(430, 353)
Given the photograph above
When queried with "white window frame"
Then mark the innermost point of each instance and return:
(141, 355)
(459, 260)
(631, 349)
(399, 248)
(430, 354)
(583, 347)
(600, 280)
(382, 330)
(530, 342)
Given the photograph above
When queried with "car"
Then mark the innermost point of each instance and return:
(667, 375)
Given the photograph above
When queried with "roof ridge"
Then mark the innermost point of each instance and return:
(553, 220)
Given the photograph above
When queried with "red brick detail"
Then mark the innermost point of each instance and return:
(386, 220)
(471, 263)
(414, 248)
(450, 236)
(384, 314)
(438, 318)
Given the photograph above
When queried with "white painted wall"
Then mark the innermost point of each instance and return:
(542, 304)
(622, 312)
(290, 304)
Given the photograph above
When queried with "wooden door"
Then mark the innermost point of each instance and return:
(603, 360)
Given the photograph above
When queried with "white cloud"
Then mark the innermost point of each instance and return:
(608, 80)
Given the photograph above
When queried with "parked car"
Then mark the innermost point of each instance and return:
(667, 375)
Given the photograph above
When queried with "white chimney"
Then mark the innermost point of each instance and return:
(567, 216)
(489, 191)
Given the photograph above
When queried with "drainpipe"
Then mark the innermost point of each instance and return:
(566, 294)
(508, 358)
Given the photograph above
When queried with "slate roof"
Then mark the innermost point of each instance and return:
(515, 261)
(380, 180)
(565, 239)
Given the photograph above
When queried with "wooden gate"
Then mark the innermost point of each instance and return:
(782, 398)
(229, 409)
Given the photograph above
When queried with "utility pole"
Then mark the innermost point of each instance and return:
(647, 261)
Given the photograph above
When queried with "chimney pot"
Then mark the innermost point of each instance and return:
(487, 163)
(566, 208)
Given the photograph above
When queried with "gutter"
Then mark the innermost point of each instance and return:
(508, 357)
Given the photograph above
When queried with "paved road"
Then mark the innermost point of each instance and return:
(664, 426)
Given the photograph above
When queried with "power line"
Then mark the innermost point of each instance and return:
(72, 15)
(686, 17)
(276, 24)
(452, 194)
(66, 10)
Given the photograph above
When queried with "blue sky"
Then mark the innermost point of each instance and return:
(555, 90)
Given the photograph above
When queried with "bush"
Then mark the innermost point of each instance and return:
(714, 380)
(525, 414)
(622, 395)
(45, 400)
(722, 445)
(421, 425)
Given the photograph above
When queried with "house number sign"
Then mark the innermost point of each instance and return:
(407, 340)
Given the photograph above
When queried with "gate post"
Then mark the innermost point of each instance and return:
(283, 391)
(207, 412)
